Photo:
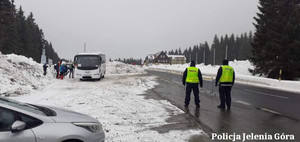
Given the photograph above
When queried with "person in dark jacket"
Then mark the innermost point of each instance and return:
(225, 80)
(56, 69)
(71, 68)
(192, 78)
(45, 66)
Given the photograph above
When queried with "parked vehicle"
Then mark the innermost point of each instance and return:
(21, 122)
(90, 65)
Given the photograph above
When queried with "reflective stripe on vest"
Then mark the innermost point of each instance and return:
(227, 74)
(192, 75)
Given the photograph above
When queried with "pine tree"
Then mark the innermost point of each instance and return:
(176, 52)
(179, 51)
(22, 35)
(8, 31)
(215, 45)
(20, 26)
(293, 47)
(270, 50)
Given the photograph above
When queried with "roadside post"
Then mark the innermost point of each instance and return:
(280, 73)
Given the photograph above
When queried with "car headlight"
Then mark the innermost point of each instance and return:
(93, 127)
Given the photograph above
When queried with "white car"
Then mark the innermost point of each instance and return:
(21, 122)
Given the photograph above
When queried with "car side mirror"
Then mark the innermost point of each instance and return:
(18, 126)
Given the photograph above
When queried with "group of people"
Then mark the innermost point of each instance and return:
(62, 69)
(192, 79)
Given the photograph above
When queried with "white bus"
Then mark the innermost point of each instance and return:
(90, 65)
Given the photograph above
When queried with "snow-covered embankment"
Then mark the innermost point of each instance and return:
(20, 75)
(242, 73)
(118, 101)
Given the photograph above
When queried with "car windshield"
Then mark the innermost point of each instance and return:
(23, 106)
(88, 61)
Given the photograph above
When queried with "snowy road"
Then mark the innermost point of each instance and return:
(242, 118)
(121, 104)
(278, 101)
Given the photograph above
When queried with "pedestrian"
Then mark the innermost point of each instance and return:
(71, 68)
(225, 80)
(45, 66)
(192, 78)
(62, 70)
(56, 69)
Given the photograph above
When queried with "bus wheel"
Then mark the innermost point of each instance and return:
(100, 77)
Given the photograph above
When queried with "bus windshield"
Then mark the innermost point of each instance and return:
(87, 61)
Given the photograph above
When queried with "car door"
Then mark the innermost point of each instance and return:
(7, 118)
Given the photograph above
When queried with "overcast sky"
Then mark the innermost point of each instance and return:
(135, 28)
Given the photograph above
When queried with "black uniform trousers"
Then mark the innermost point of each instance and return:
(225, 96)
(189, 88)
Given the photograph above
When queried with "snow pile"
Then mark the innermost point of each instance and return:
(117, 102)
(121, 68)
(241, 67)
(20, 75)
(242, 73)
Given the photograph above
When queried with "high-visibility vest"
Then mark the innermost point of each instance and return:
(192, 75)
(227, 74)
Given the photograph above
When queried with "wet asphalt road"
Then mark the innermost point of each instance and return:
(254, 110)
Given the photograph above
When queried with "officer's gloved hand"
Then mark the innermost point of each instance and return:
(216, 84)
(183, 83)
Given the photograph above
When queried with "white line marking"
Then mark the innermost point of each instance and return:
(244, 103)
(268, 110)
(266, 94)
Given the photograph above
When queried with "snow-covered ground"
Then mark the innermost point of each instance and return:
(241, 71)
(118, 101)
(20, 75)
(121, 68)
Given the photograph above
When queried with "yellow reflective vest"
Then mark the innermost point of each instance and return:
(192, 75)
(227, 74)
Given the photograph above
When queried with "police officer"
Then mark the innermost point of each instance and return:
(225, 79)
(192, 77)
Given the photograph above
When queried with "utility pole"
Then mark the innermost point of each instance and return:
(196, 58)
(226, 52)
(190, 58)
(84, 50)
(214, 56)
(204, 57)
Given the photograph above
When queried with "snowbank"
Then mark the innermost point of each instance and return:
(121, 103)
(20, 75)
(243, 75)
(121, 68)
(241, 67)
